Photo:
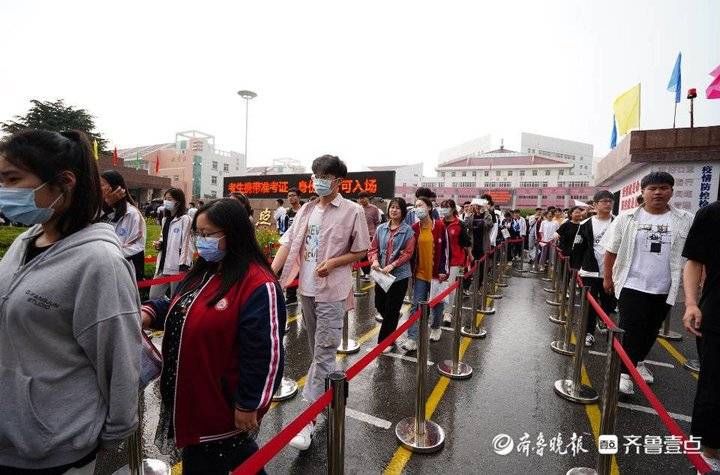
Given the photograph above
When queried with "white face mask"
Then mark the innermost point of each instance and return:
(169, 205)
(421, 213)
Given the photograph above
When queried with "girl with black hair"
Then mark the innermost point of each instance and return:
(70, 328)
(128, 221)
(390, 252)
(175, 251)
(222, 349)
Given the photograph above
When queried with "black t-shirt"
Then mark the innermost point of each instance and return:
(701, 246)
(33, 250)
(567, 232)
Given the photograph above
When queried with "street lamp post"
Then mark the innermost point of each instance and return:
(247, 95)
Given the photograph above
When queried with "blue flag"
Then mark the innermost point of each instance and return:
(613, 135)
(675, 83)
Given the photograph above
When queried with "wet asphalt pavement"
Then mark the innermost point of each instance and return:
(510, 393)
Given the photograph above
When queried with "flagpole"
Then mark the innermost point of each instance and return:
(675, 115)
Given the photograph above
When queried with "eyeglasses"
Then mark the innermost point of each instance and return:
(205, 235)
(606, 201)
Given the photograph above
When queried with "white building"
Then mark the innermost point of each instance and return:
(468, 149)
(280, 166)
(503, 168)
(578, 153)
(405, 175)
(192, 162)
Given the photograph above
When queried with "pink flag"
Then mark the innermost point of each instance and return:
(713, 90)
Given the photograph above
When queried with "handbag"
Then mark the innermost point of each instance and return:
(150, 362)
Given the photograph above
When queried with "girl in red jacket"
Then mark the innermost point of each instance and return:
(222, 348)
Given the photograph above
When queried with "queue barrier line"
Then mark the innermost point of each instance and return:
(142, 284)
(271, 448)
(663, 414)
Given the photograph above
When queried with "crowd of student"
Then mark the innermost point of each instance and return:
(71, 315)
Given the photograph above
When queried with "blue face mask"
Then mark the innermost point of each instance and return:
(18, 205)
(322, 186)
(208, 248)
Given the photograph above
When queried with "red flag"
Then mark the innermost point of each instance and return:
(116, 160)
(157, 163)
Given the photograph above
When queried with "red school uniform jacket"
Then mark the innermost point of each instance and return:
(231, 355)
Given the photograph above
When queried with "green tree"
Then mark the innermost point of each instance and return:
(55, 116)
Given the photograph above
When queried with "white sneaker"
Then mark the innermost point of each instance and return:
(713, 462)
(435, 334)
(626, 385)
(589, 339)
(303, 440)
(409, 345)
(645, 373)
(447, 318)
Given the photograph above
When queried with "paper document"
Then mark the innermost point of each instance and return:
(382, 279)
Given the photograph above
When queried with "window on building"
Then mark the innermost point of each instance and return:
(452, 174)
(464, 173)
(522, 172)
(213, 194)
(226, 167)
(510, 173)
(486, 173)
(213, 180)
(214, 165)
(547, 172)
(534, 173)
(561, 172)
(497, 173)
(474, 174)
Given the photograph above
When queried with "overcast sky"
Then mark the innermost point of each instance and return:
(375, 82)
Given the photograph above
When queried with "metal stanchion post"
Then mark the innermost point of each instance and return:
(347, 345)
(608, 404)
(493, 289)
(562, 298)
(573, 389)
(557, 282)
(564, 346)
(692, 365)
(668, 334)
(550, 265)
(336, 422)
(472, 329)
(456, 369)
(136, 464)
(554, 272)
(502, 272)
(416, 433)
(358, 284)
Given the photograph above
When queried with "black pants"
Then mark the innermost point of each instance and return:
(706, 411)
(388, 304)
(138, 262)
(217, 458)
(607, 301)
(89, 458)
(641, 316)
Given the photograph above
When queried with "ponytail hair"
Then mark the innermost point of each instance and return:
(47, 155)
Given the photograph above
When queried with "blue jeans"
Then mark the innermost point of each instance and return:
(421, 292)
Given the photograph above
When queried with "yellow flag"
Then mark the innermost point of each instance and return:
(627, 110)
(95, 150)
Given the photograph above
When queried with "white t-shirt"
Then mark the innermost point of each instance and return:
(547, 229)
(650, 267)
(599, 227)
(310, 253)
